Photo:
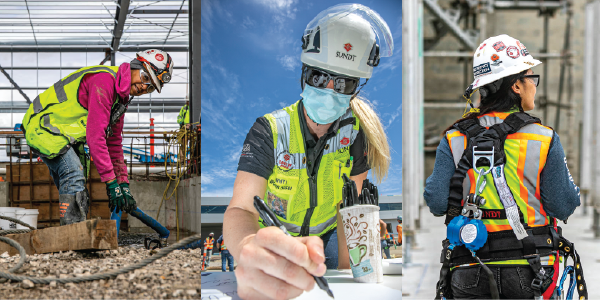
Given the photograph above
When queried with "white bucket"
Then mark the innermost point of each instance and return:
(8, 212)
(29, 216)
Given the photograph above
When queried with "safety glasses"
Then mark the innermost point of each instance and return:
(341, 84)
(535, 78)
(145, 77)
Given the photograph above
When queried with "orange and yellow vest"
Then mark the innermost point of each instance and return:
(526, 152)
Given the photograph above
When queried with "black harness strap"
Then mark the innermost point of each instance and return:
(568, 249)
(484, 139)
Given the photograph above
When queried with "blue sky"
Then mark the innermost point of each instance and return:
(251, 66)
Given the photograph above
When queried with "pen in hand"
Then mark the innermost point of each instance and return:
(269, 219)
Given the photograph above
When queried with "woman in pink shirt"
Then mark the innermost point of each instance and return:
(105, 93)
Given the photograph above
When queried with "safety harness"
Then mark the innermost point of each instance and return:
(467, 245)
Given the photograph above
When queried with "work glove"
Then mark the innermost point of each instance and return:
(116, 200)
(130, 204)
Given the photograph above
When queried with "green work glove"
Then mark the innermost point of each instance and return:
(116, 200)
(130, 204)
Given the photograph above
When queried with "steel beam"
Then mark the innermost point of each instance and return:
(194, 73)
(121, 18)
(158, 11)
(66, 68)
(132, 109)
(15, 84)
(87, 49)
(412, 116)
(468, 40)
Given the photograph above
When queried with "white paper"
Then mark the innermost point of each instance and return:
(341, 283)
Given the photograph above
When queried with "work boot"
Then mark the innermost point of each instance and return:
(73, 208)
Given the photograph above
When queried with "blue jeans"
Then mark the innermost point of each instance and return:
(385, 249)
(226, 257)
(330, 245)
(67, 172)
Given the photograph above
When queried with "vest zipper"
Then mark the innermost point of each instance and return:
(305, 229)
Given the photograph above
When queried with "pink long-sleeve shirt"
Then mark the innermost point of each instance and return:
(97, 94)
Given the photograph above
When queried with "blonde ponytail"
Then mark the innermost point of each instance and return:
(378, 150)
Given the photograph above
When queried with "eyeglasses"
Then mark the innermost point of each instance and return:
(535, 78)
(341, 84)
(145, 77)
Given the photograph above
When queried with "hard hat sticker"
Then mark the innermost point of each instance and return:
(512, 51)
(499, 46)
(482, 69)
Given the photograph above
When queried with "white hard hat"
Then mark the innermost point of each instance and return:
(346, 39)
(158, 64)
(499, 57)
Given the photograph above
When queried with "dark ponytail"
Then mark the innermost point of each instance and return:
(503, 100)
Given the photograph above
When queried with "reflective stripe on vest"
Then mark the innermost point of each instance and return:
(56, 119)
(526, 152)
(288, 189)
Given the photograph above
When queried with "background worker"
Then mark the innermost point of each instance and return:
(399, 230)
(56, 128)
(226, 257)
(294, 158)
(535, 172)
(184, 117)
(209, 243)
(384, 237)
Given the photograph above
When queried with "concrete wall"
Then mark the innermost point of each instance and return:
(4, 193)
(189, 193)
(148, 195)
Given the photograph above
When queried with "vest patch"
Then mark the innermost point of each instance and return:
(285, 160)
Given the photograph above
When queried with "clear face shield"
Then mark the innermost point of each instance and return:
(379, 26)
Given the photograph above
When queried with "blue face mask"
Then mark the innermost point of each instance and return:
(324, 106)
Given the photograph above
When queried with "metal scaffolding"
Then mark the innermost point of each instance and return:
(95, 28)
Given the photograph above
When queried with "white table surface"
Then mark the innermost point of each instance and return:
(341, 283)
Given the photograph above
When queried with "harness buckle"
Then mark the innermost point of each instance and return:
(487, 154)
(536, 284)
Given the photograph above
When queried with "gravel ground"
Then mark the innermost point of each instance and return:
(176, 276)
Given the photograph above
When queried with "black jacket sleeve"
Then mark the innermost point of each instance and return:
(257, 153)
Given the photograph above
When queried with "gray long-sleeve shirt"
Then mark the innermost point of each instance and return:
(560, 194)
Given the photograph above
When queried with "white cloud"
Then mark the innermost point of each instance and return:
(247, 23)
(289, 62)
(282, 7)
(394, 116)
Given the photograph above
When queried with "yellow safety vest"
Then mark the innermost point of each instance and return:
(184, 116)
(307, 205)
(56, 120)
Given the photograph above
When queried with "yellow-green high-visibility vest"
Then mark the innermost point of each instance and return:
(526, 152)
(184, 115)
(307, 205)
(56, 120)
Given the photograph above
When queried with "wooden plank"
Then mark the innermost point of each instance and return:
(88, 235)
